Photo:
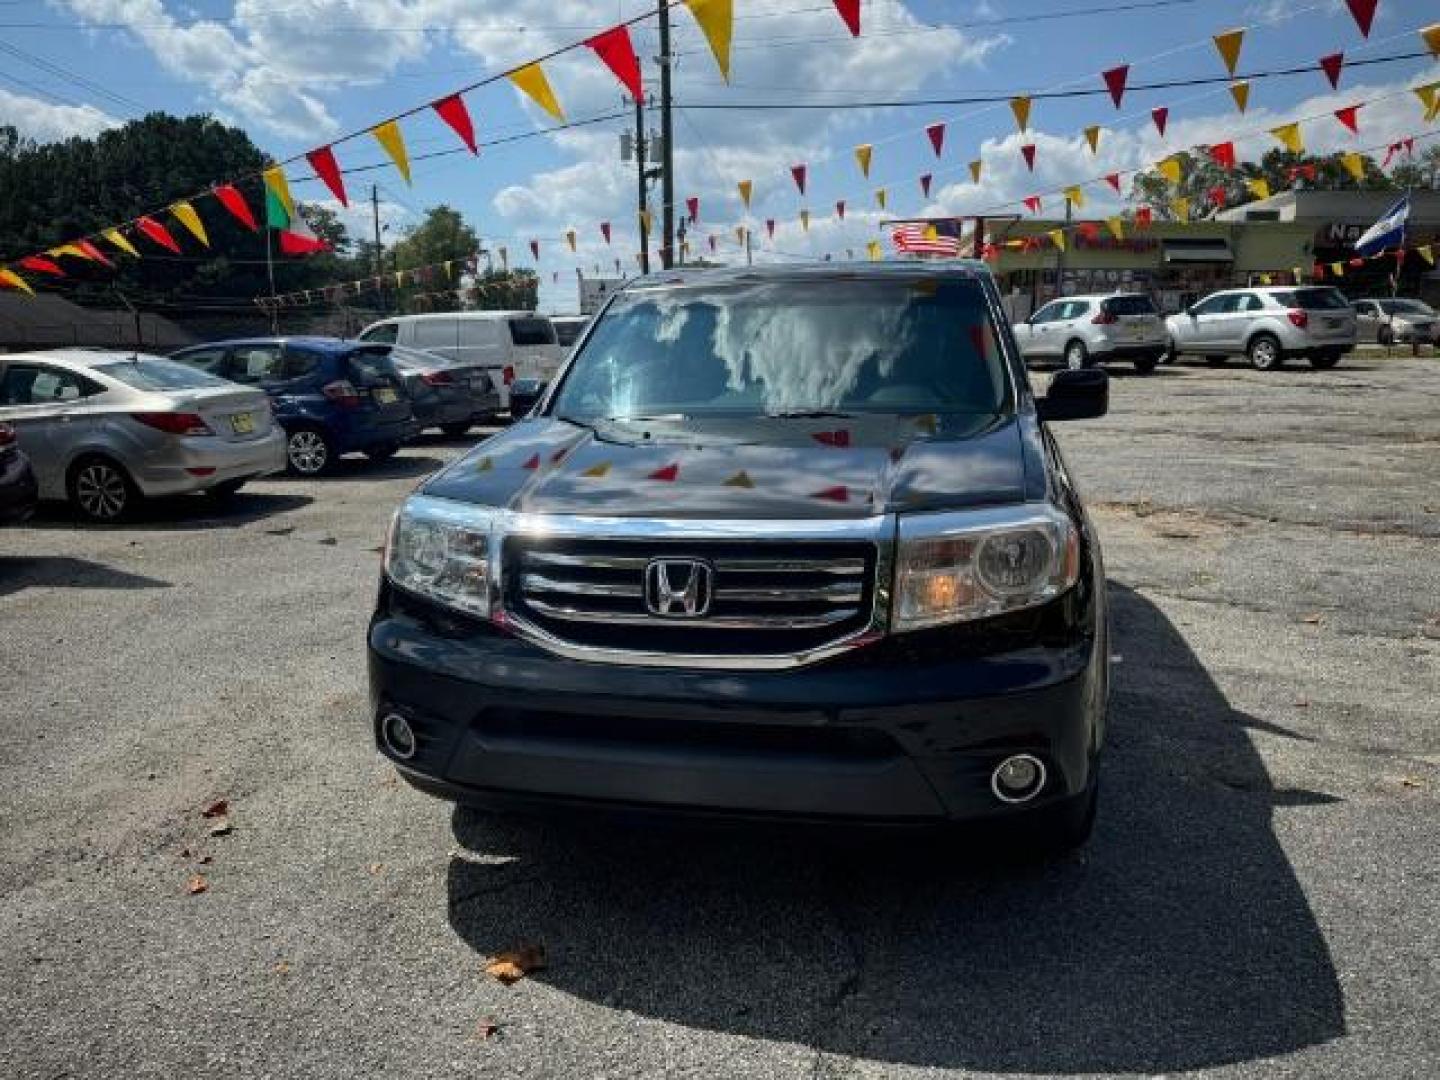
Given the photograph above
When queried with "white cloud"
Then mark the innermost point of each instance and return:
(44, 122)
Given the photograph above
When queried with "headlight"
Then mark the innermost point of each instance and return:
(441, 550)
(955, 567)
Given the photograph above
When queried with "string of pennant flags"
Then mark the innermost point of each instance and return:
(615, 49)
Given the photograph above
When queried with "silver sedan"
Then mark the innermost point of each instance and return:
(105, 429)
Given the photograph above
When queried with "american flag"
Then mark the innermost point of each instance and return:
(938, 237)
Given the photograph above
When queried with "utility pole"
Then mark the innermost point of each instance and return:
(270, 272)
(378, 261)
(640, 182)
(667, 153)
(1060, 255)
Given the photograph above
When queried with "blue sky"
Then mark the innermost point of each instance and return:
(296, 73)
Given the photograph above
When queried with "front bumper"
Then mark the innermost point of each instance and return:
(19, 492)
(906, 730)
(1129, 350)
(195, 464)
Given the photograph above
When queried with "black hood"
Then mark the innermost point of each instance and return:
(745, 468)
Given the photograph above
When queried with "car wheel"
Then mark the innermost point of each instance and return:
(1324, 361)
(456, 430)
(101, 490)
(383, 452)
(1171, 355)
(1265, 353)
(1076, 357)
(308, 452)
(1383, 336)
(1146, 364)
(227, 489)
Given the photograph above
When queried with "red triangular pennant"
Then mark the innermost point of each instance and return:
(840, 209)
(158, 233)
(1364, 12)
(1223, 154)
(1348, 117)
(328, 169)
(41, 265)
(230, 198)
(533, 463)
(1028, 153)
(605, 230)
(798, 172)
(839, 438)
(453, 111)
(1331, 66)
(1161, 116)
(668, 474)
(1115, 80)
(850, 11)
(1216, 195)
(833, 494)
(1113, 179)
(535, 250)
(692, 206)
(1143, 217)
(937, 137)
(615, 49)
(770, 228)
(1032, 203)
(94, 252)
(925, 185)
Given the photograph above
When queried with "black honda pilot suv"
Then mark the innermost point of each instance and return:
(784, 543)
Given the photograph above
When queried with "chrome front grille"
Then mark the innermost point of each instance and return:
(767, 597)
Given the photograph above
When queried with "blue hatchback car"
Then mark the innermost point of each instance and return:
(331, 396)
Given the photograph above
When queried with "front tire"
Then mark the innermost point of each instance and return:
(1384, 336)
(1265, 353)
(1144, 365)
(1076, 356)
(101, 491)
(308, 451)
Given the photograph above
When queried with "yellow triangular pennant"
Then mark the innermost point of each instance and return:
(116, 237)
(1240, 91)
(1425, 251)
(1259, 187)
(1116, 226)
(280, 187)
(716, 19)
(186, 215)
(1075, 196)
(740, 480)
(532, 81)
(485, 464)
(1170, 169)
(646, 222)
(388, 135)
(1431, 36)
(1289, 136)
(1057, 237)
(975, 167)
(15, 281)
(602, 469)
(872, 249)
(1429, 96)
(880, 198)
(570, 238)
(1181, 206)
(805, 220)
(746, 187)
(1354, 165)
(1092, 136)
(1338, 269)
(1020, 106)
(862, 158)
(1228, 45)
(69, 249)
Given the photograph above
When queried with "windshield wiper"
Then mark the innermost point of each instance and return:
(809, 414)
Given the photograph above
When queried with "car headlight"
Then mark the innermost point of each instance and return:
(955, 567)
(440, 550)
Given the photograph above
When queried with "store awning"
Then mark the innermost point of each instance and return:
(1197, 251)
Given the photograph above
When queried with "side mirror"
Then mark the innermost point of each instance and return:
(1076, 395)
(1191, 311)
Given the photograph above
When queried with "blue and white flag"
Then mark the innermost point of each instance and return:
(1388, 232)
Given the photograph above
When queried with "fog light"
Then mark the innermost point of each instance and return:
(398, 736)
(1018, 778)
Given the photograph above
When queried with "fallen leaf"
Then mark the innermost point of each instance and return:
(486, 1029)
(221, 827)
(196, 885)
(512, 966)
(1411, 782)
(218, 808)
(282, 967)
(1313, 617)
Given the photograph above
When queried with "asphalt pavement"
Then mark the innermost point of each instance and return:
(1259, 899)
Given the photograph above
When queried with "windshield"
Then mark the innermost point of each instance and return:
(1405, 307)
(1314, 300)
(1130, 305)
(531, 332)
(159, 375)
(864, 346)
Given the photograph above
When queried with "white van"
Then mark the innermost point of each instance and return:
(510, 345)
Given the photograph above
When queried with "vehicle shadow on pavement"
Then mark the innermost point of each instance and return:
(1178, 939)
(64, 572)
(187, 512)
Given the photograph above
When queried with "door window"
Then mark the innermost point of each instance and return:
(256, 363)
(210, 360)
(1048, 313)
(29, 384)
(438, 333)
(532, 332)
(385, 333)
(298, 363)
(479, 332)
(1213, 305)
(1248, 302)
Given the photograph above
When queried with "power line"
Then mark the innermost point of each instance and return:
(81, 81)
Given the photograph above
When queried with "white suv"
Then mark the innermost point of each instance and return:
(1267, 326)
(1082, 331)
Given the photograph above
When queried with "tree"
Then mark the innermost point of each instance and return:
(1423, 175)
(496, 290)
(443, 237)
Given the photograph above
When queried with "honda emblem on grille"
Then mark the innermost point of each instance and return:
(678, 588)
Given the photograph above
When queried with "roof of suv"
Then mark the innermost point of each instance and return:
(835, 271)
(319, 344)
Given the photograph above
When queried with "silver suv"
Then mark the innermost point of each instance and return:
(1267, 326)
(1082, 331)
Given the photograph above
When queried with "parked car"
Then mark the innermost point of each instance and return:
(1267, 326)
(1081, 331)
(19, 491)
(105, 429)
(524, 394)
(1396, 321)
(568, 328)
(783, 541)
(444, 393)
(331, 397)
(509, 345)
